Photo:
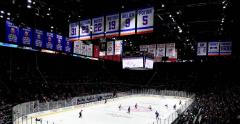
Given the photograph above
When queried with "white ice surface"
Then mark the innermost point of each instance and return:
(109, 113)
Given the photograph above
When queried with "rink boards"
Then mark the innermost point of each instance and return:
(100, 113)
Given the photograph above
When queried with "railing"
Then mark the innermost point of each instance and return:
(26, 113)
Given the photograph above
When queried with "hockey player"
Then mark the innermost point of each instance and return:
(157, 115)
(166, 105)
(174, 107)
(80, 114)
(120, 107)
(136, 106)
(129, 109)
(150, 107)
(180, 102)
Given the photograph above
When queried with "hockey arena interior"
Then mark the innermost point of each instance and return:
(119, 62)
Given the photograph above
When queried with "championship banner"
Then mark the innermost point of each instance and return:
(213, 48)
(128, 23)
(171, 51)
(25, 36)
(225, 48)
(110, 48)
(85, 26)
(118, 47)
(50, 41)
(11, 32)
(160, 52)
(143, 48)
(202, 49)
(152, 49)
(112, 25)
(39, 38)
(89, 50)
(59, 43)
(76, 47)
(145, 18)
(68, 45)
(103, 49)
(74, 31)
(83, 48)
(98, 27)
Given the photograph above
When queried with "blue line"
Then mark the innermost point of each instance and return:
(97, 34)
(145, 27)
(128, 30)
(112, 31)
(85, 35)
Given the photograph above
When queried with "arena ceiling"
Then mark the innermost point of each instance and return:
(187, 19)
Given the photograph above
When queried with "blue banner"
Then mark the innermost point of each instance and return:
(11, 32)
(59, 43)
(50, 41)
(25, 36)
(39, 39)
(68, 46)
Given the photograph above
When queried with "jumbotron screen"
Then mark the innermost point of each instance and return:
(149, 63)
(137, 63)
(133, 62)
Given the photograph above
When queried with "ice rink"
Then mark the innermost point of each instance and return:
(110, 113)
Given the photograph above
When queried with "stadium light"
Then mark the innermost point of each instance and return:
(2, 12)
(163, 5)
(8, 13)
(29, 6)
(180, 30)
(29, 1)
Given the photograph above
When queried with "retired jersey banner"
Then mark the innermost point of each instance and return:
(128, 24)
(39, 39)
(145, 19)
(50, 41)
(25, 36)
(118, 47)
(110, 48)
(225, 48)
(171, 50)
(98, 27)
(68, 45)
(213, 48)
(59, 43)
(85, 26)
(76, 47)
(202, 49)
(11, 32)
(112, 25)
(74, 33)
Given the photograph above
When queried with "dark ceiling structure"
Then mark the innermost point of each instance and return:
(183, 20)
